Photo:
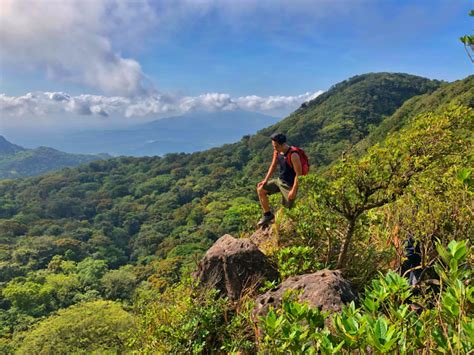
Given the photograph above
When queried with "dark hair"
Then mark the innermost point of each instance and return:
(280, 138)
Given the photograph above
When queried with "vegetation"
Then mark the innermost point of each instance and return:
(408, 166)
(468, 41)
(16, 161)
(123, 234)
(388, 320)
(101, 326)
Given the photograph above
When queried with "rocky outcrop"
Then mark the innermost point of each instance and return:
(266, 239)
(234, 266)
(324, 289)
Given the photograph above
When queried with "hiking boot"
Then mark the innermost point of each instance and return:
(266, 220)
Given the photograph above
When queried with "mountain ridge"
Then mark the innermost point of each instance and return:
(18, 162)
(8, 148)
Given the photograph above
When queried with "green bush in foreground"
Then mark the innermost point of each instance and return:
(297, 260)
(387, 320)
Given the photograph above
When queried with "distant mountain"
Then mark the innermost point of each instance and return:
(16, 161)
(188, 133)
(7, 148)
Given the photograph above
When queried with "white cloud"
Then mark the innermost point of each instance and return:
(272, 103)
(34, 106)
(70, 41)
(82, 41)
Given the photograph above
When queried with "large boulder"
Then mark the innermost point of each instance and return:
(324, 289)
(266, 239)
(234, 266)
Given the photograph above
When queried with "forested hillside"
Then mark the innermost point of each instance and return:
(126, 229)
(346, 113)
(458, 92)
(16, 161)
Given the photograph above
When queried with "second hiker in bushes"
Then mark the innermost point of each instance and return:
(293, 163)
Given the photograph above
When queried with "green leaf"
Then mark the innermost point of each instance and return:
(381, 330)
(461, 251)
(468, 328)
(464, 174)
(443, 253)
(470, 294)
(370, 305)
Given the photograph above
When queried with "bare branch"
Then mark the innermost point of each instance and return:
(468, 54)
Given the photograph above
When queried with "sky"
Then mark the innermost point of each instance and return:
(80, 64)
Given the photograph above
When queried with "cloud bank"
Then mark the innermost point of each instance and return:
(38, 104)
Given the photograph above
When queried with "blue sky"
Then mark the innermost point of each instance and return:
(287, 61)
(94, 59)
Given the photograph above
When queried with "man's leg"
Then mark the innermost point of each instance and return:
(263, 191)
(263, 197)
(285, 191)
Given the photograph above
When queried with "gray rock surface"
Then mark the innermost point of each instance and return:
(234, 266)
(324, 289)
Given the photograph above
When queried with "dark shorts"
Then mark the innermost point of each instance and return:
(277, 185)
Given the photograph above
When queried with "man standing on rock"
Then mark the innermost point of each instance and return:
(288, 158)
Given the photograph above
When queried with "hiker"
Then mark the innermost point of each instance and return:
(293, 163)
(411, 266)
(408, 259)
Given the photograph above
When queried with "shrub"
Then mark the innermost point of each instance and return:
(297, 260)
(92, 326)
(388, 319)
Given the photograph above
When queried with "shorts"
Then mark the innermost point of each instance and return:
(277, 185)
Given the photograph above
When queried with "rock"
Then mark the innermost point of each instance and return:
(234, 266)
(324, 289)
(265, 239)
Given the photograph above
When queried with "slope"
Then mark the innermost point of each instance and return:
(16, 161)
(409, 185)
(459, 92)
(100, 229)
(7, 148)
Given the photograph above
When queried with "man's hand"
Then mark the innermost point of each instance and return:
(292, 195)
(261, 183)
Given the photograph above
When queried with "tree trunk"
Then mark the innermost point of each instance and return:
(346, 242)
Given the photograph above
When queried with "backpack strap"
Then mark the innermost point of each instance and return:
(288, 156)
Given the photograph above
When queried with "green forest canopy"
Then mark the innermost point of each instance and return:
(126, 226)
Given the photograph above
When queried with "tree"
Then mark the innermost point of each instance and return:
(119, 284)
(99, 326)
(468, 41)
(354, 187)
(90, 271)
(29, 297)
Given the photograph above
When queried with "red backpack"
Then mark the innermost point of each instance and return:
(303, 158)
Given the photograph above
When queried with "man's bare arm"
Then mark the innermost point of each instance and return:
(296, 163)
(271, 169)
